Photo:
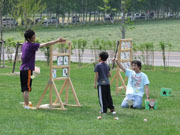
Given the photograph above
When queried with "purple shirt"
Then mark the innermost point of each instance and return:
(28, 55)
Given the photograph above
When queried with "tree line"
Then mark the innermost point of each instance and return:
(88, 9)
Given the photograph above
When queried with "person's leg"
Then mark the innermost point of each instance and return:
(109, 98)
(26, 98)
(137, 102)
(102, 99)
(26, 82)
(99, 98)
(124, 103)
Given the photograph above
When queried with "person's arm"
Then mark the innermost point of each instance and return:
(95, 79)
(109, 75)
(147, 91)
(61, 40)
(120, 65)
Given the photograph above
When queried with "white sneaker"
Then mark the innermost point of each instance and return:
(116, 118)
(113, 112)
(26, 107)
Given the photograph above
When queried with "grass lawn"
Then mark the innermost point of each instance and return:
(150, 31)
(83, 120)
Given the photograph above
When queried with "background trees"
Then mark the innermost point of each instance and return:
(88, 10)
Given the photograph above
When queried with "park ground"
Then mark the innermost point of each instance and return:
(14, 119)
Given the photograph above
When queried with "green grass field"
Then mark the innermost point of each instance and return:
(150, 31)
(83, 120)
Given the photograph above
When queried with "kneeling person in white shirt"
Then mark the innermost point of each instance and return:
(137, 82)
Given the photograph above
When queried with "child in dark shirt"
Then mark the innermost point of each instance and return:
(102, 73)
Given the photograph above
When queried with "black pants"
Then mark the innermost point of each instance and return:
(26, 81)
(105, 99)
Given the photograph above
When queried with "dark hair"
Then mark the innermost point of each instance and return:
(103, 55)
(137, 62)
(28, 34)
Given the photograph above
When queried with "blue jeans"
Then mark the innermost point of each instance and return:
(137, 101)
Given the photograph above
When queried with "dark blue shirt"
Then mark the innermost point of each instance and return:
(103, 71)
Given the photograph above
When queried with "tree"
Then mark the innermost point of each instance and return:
(27, 9)
(1, 10)
(125, 4)
(123, 10)
(108, 9)
(1, 31)
(128, 5)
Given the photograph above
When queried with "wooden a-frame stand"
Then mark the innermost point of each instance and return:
(121, 57)
(58, 104)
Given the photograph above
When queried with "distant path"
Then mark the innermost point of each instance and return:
(88, 57)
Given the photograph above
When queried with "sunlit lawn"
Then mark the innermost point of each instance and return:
(144, 31)
(83, 120)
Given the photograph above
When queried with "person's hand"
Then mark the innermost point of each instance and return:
(95, 86)
(114, 60)
(61, 39)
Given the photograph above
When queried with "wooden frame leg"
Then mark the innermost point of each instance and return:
(61, 90)
(58, 97)
(74, 93)
(50, 97)
(117, 84)
(67, 92)
(113, 78)
(122, 81)
(42, 96)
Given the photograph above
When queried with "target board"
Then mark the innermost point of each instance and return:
(125, 57)
(59, 72)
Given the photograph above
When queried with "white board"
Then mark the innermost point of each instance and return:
(125, 55)
(54, 74)
(60, 60)
(65, 72)
(66, 60)
(125, 45)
